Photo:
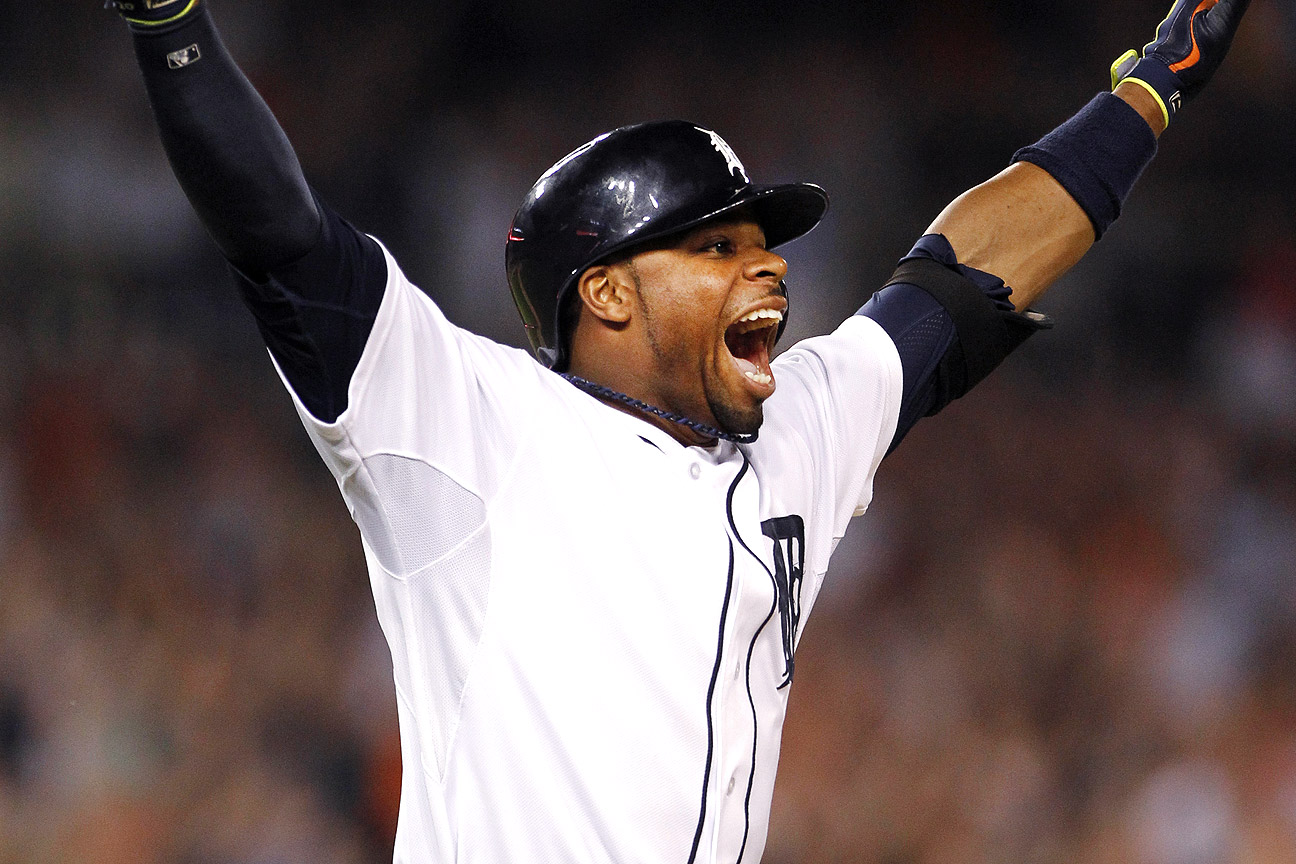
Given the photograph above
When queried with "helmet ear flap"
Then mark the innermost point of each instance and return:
(566, 316)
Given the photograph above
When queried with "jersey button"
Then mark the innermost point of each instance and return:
(695, 471)
(732, 782)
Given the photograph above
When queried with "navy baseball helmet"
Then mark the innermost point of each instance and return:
(625, 187)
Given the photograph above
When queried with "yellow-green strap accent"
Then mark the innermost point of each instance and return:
(1165, 112)
(1122, 65)
(176, 17)
(1120, 70)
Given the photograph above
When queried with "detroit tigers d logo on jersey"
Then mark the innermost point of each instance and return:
(788, 534)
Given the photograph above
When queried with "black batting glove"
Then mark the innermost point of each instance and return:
(1189, 46)
(153, 15)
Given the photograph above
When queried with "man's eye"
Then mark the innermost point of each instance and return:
(718, 246)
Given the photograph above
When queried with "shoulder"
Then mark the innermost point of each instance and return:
(856, 362)
(831, 417)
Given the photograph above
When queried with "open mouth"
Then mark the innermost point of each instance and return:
(750, 340)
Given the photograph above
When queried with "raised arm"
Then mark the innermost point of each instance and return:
(227, 150)
(1029, 226)
(957, 305)
(1023, 225)
(313, 282)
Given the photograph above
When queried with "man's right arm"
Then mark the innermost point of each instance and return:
(313, 282)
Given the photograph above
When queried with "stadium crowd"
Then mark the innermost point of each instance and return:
(1065, 631)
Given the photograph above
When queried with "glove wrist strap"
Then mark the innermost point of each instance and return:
(1154, 76)
(151, 16)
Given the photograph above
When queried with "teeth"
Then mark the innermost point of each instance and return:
(760, 377)
(758, 318)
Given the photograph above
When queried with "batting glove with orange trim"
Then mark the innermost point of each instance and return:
(1189, 46)
(153, 15)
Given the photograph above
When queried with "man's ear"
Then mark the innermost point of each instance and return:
(607, 292)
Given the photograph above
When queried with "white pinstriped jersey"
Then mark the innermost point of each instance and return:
(592, 626)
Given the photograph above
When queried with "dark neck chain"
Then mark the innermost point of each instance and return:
(602, 392)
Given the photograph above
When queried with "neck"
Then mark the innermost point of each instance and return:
(683, 429)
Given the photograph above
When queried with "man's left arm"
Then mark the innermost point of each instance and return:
(949, 308)
(1025, 225)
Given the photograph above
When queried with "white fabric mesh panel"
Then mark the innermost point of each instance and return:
(421, 515)
(431, 534)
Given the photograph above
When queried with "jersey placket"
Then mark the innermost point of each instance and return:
(738, 732)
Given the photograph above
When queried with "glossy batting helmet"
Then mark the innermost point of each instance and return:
(625, 187)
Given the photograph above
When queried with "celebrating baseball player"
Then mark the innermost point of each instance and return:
(593, 563)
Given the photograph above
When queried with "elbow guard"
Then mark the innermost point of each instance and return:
(986, 331)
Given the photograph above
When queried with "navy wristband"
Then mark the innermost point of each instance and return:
(1097, 156)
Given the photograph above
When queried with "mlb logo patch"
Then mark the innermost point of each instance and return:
(183, 57)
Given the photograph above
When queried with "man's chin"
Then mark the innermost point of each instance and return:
(739, 421)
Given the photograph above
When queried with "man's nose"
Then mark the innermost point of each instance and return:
(765, 264)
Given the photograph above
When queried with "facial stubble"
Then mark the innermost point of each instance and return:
(730, 418)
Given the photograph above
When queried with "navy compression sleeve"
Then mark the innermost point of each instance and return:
(946, 345)
(316, 312)
(313, 281)
(232, 160)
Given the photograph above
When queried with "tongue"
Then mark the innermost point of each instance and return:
(749, 351)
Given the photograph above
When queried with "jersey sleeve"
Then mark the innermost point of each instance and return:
(433, 419)
(832, 418)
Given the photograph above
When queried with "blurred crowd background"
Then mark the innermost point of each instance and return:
(1066, 631)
